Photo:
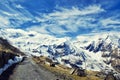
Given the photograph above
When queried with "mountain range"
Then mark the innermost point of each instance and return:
(93, 51)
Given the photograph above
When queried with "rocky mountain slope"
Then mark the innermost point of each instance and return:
(8, 54)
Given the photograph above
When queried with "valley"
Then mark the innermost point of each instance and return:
(90, 52)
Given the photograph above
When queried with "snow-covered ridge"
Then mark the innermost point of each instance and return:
(64, 50)
(28, 40)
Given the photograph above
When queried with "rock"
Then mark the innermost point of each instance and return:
(110, 77)
(1, 60)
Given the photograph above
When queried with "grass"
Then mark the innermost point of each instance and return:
(64, 72)
(5, 49)
(10, 49)
(5, 46)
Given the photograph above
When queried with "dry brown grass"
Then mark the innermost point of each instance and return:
(10, 49)
(5, 50)
(61, 69)
(5, 45)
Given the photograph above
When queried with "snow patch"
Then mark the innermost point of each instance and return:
(10, 63)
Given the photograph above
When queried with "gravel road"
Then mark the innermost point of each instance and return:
(28, 70)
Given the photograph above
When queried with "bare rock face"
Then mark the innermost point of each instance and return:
(113, 59)
(115, 62)
(110, 77)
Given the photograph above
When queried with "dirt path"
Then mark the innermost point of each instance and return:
(28, 70)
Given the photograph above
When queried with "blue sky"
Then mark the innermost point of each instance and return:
(61, 17)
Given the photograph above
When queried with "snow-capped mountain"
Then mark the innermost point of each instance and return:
(28, 40)
(68, 53)
(84, 51)
(102, 44)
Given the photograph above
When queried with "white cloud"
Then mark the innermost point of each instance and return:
(19, 6)
(8, 14)
(109, 21)
(76, 12)
(12, 17)
(69, 20)
(4, 21)
(38, 29)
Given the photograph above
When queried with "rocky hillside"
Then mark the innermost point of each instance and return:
(7, 52)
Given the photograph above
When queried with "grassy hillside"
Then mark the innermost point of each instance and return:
(7, 47)
(64, 73)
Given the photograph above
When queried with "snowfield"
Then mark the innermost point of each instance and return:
(85, 51)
